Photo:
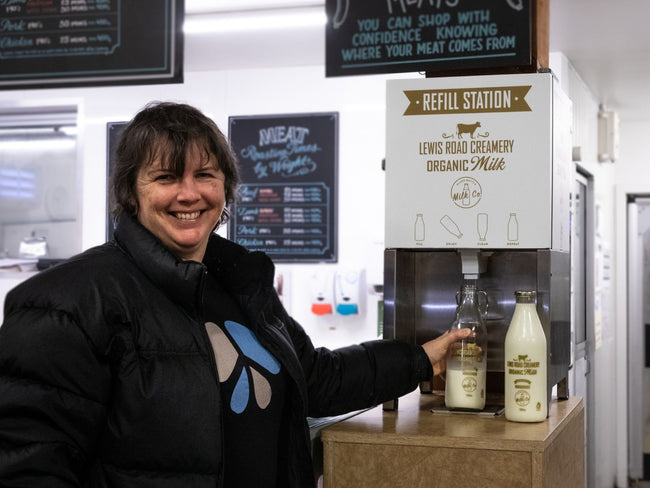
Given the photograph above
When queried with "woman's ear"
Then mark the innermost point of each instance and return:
(133, 202)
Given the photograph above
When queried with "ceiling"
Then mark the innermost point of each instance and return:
(606, 41)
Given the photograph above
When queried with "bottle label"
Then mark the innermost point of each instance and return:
(523, 366)
(468, 353)
(469, 384)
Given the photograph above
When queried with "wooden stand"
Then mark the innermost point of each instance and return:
(413, 447)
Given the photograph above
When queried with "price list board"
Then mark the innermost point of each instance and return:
(435, 36)
(287, 203)
(54, 43)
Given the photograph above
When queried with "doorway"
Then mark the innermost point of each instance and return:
(582, 374)
(638, 309)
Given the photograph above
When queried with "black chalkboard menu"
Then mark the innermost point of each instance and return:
(287, 203)
(54, 43)
(393, 36)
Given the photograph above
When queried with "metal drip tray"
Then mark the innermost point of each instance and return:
(488, 411)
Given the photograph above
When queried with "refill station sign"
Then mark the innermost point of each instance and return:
(478, 162)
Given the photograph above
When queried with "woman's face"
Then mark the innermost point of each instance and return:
(182, 211)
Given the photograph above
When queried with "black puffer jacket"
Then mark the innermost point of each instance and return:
(108, 378)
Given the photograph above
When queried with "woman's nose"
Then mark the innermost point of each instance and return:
(188, 190)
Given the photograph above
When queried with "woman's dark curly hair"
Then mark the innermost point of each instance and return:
(166, 130)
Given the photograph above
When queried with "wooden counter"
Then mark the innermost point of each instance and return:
(412, 447)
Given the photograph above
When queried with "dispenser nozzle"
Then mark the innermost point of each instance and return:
(473, 263)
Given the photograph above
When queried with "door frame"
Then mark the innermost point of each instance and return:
(621, 387)
(635, 330)
(587, 348)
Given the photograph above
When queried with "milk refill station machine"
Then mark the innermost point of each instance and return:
(478, 172)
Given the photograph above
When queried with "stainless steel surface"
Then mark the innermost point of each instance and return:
(420, 301)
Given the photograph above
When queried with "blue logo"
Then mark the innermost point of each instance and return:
(227, 354)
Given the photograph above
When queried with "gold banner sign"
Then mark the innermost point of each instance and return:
(467, 100)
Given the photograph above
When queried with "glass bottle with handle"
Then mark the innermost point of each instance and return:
(467, 359)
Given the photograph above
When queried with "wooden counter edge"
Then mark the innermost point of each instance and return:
(354, 430)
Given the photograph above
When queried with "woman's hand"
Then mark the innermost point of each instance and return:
(437, 348)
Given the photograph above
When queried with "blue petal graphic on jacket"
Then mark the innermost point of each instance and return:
(226, 355)
(240, 394)
(251, 348)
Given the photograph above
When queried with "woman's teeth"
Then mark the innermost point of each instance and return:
(187, 216)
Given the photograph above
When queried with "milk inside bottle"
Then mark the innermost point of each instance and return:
(525, 363)
(467, 359)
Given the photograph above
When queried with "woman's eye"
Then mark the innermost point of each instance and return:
(164, 177)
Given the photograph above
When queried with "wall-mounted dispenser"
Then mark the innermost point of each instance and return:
(322, 293)
(346, 291)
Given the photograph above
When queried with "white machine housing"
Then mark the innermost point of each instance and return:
(478, 162)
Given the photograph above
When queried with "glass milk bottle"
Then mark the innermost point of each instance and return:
(467, 359)
(525, 363)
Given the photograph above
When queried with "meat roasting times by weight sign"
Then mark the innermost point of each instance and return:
(476, 154)
(287, 206)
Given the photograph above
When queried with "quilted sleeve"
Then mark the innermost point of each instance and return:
(54, 388)
(357, 376)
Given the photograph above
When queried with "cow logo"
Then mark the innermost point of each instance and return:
(466, 129)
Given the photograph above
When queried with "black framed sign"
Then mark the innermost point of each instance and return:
(54, 43)
(393, 36)
(287, 204)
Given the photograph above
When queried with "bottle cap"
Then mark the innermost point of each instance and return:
(525, 296)
(526, 293)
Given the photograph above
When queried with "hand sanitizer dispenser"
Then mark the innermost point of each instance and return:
(346, 292)
(322, 293)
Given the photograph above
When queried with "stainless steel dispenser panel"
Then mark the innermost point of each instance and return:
(420, 300)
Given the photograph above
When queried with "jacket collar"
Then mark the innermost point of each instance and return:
(241, 272)
(180, 280)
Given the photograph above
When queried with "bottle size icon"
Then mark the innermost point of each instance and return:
(482, 226)
(419, 228)
(448, 223)
(513, 227)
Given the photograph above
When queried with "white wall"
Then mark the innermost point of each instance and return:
(585, 136)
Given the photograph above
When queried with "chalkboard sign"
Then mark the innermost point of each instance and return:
(53, 43)
(287, 204)
(393, 36)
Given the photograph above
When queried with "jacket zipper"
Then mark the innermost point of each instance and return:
(213, 365)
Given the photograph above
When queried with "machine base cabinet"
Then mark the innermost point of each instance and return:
(414, 447)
